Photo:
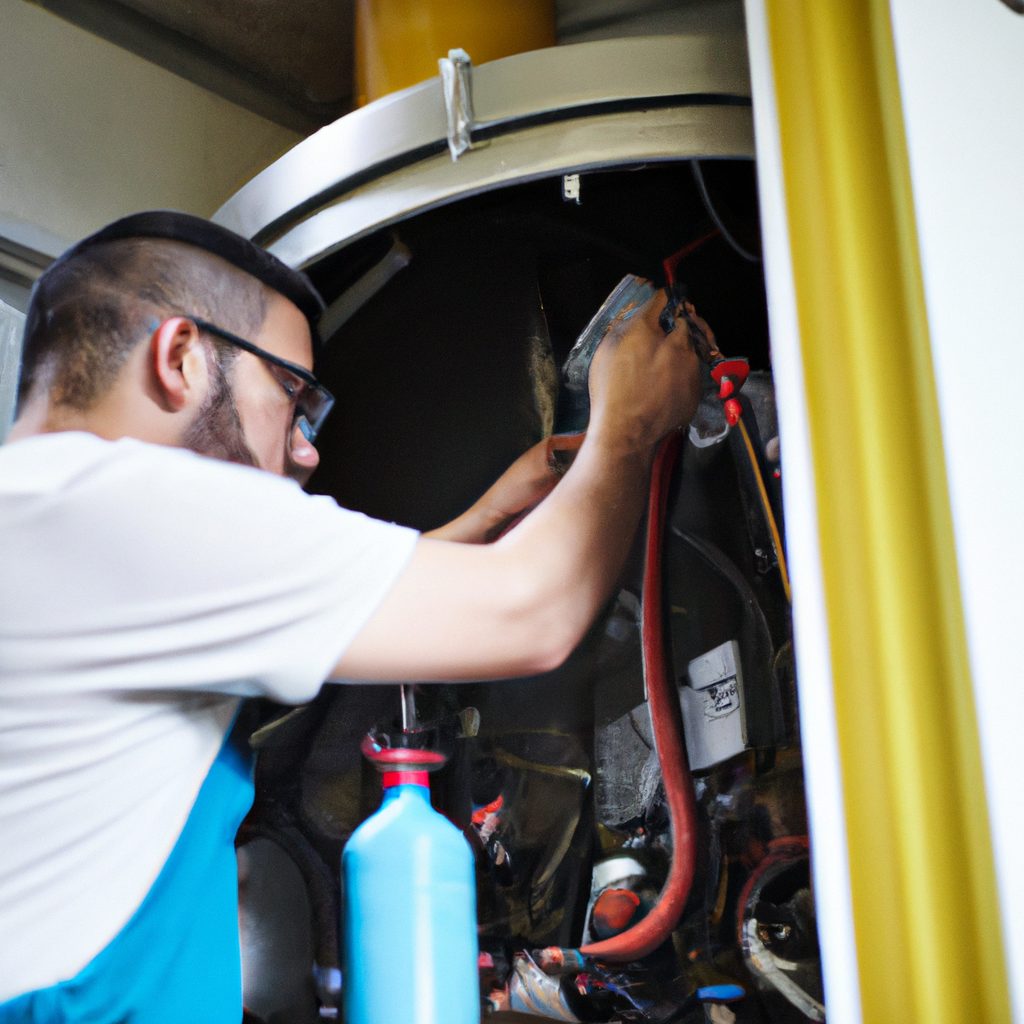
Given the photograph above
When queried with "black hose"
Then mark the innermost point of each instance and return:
(726, 568)
(319, 881)
(698, 177)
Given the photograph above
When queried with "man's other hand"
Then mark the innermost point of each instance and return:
(518, 490)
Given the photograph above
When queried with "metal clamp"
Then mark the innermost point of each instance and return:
(457, 85)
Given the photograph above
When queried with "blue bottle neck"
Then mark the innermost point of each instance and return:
(410, 790)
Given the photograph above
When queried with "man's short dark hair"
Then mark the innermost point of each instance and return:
(91, 308)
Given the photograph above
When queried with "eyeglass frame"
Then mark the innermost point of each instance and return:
(309, 430)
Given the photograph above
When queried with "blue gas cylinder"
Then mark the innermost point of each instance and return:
(410, 914)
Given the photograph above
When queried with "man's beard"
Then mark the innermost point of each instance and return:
(217, 430)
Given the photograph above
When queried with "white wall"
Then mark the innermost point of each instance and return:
(961, 65)
(89, 132)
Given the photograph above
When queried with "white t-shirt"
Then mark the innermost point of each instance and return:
(143, 589)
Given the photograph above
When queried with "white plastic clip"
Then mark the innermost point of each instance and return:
(571, 188)
(457, 84)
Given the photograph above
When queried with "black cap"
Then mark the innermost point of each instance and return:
(222, 242)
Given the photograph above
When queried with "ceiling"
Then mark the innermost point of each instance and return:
(288, 60)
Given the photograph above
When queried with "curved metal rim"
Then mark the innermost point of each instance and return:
(483, 132)
(536, 87)
(298, 247)
(625, 165)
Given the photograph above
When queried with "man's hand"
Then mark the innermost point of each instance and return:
(515, 493)
(520, 605)
(643, 384)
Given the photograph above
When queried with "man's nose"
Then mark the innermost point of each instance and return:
(303, 458)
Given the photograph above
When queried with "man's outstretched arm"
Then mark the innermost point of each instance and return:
(521, 487)
(520, 605)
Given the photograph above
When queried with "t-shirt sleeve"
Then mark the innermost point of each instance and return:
(179, 572)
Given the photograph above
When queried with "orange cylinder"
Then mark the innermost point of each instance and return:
(398, 42)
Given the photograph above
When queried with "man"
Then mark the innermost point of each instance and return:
(145, 588)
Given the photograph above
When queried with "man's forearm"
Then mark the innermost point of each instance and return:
(484, 521)
(521, 605)
(517, 490)
(575, 542)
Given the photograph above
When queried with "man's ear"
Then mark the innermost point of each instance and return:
(175, 348)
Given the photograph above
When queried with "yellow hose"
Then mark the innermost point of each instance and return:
(776, 539)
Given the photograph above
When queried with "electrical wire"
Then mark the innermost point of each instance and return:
(698, 177)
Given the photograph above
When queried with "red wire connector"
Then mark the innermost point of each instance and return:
(730, 375)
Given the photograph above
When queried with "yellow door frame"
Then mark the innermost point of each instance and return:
(925, 907)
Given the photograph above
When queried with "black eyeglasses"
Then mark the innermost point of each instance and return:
(312, 400)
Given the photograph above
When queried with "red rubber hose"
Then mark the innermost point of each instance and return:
(648, 934)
